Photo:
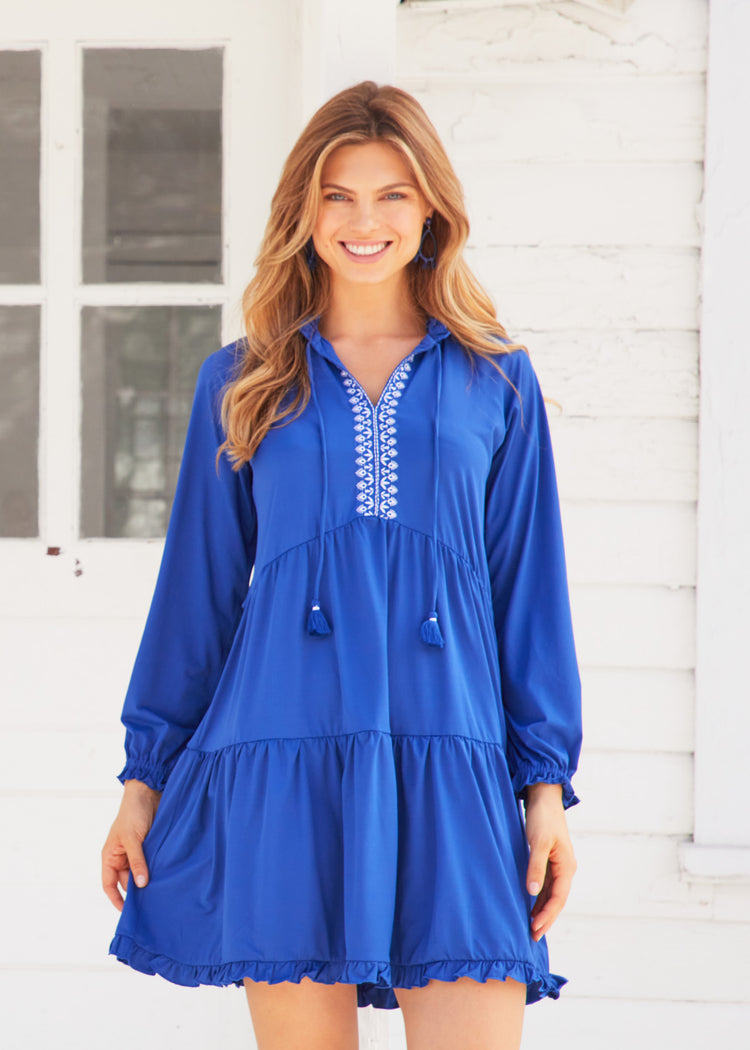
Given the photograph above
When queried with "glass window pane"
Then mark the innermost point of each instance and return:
(152, 165)
(20, 73)
(139, 367)
(19, 420)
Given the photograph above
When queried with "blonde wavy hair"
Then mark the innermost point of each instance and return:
(284, 293)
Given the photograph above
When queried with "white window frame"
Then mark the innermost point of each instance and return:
(260, 59)
(720, 850)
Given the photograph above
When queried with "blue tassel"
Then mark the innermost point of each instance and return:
(430, 631)
(316, 621)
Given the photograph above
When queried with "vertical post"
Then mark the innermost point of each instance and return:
(721, 845)
(342, 43)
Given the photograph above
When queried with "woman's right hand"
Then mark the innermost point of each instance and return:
(123, 850)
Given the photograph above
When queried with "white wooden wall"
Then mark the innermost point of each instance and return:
(579, 136)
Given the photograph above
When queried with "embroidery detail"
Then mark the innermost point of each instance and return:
(375, 442)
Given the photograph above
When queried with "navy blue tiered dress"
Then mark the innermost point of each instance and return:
(342, 739)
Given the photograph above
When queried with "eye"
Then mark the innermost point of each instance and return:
(335, 195)
(395, 195)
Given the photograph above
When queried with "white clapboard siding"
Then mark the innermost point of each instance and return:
(626, 459)
(634, 544)
(633, 793)
(66, 853)
(635, 626)
(78, 680)
(620, 373)
(653, 959)
(642, 871)
(551, 39)
(580, 203)
(618, 702)
(558, 289)
(622, 1024)
(93, 579)
(551, 121)
(76, 761)
(113, 1007)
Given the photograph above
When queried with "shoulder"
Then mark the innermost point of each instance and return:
(505, 374)
(221, 366)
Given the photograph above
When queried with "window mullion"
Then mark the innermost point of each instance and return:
(60, 190)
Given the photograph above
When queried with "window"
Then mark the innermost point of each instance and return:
(20, 98)
(152, 212)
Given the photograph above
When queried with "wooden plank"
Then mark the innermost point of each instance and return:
(546, 40)
(80, 678)
(635, 876)
(579, 1023)
(638, 627)
(636, 793)
(630, 543)
(78, 1009)
(34, 858)
(610, 118)
(599, 204)
(622, 373)
(560, 289)
(652, 959)
(642, 460)
(619, 702)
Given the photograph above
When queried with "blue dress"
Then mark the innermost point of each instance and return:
(343, 738)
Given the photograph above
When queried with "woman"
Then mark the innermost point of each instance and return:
(344, 744)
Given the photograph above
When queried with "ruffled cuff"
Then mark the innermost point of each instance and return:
(526, 775)
(155, 774)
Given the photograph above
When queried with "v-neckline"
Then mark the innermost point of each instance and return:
(375, 405)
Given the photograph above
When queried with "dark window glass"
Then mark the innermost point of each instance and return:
(20, 73)
(139, 367)
(152, 161)
(19, 420)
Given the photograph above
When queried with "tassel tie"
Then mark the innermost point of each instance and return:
(430, 629)
(317, 624)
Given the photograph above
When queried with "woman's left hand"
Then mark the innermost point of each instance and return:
(552, 862)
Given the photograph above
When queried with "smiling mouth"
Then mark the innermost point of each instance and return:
(368, 250)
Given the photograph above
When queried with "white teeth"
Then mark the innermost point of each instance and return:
(365, 249)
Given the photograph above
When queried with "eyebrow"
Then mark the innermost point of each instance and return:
(390, 186)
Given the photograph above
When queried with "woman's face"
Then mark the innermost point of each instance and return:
(371, 214)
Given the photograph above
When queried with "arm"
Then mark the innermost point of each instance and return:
(540, 684)
(208, 556)
(539, 676)
(205, 569)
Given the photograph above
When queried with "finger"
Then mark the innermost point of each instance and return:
(543, 919)
(109, 883)
(137, 862)
(537, 867)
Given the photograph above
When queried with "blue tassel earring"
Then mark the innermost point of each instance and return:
(427, 260)
(310, 255)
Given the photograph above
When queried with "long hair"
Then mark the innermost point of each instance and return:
(284, 293)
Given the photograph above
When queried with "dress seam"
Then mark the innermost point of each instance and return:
(389, 522)
(340, 736)
(331, 961)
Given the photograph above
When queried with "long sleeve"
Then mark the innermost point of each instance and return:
(208, 556)
(539, 676)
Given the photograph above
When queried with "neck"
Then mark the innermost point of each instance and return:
(369, 311)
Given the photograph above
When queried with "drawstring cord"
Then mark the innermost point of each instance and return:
(430, 629)
(317, 624)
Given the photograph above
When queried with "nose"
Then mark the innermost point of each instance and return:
(364, 217)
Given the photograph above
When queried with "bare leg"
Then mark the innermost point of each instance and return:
(465, 1013)
(304, 1016)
